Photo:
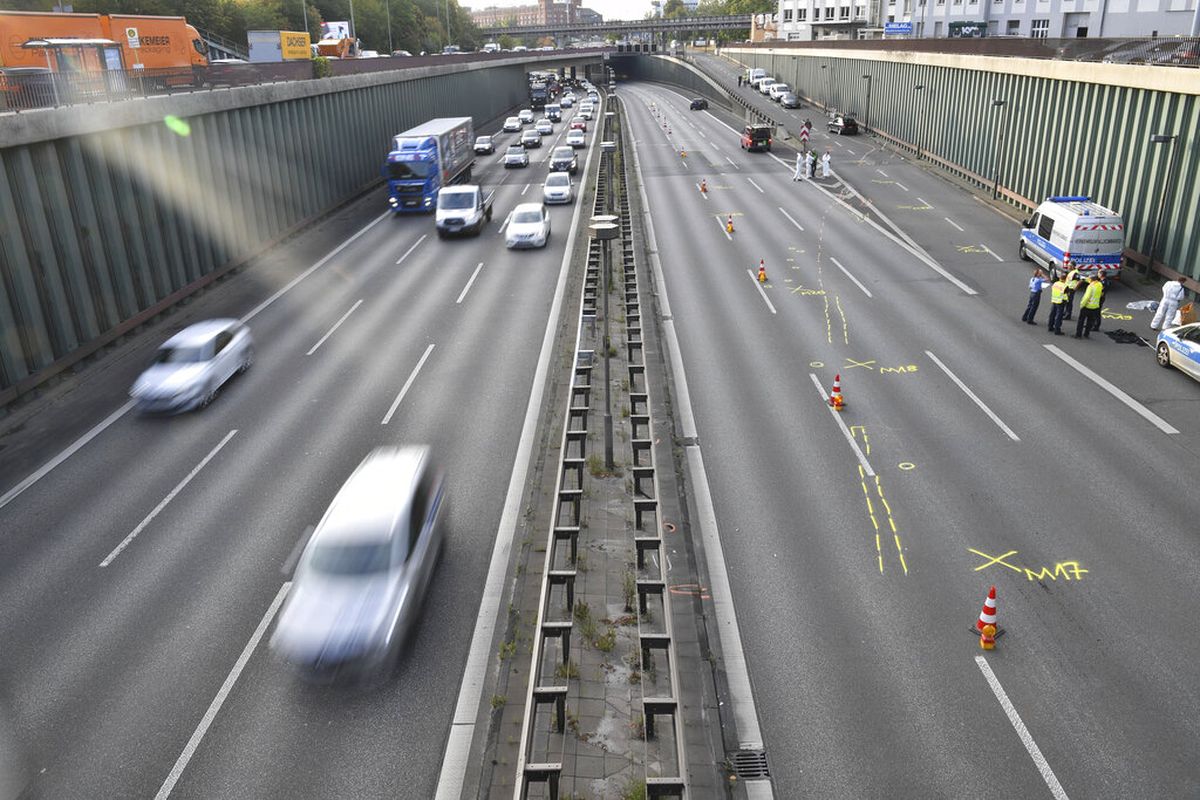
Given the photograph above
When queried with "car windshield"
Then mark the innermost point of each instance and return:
(563, 152)
(485, 140)
(409, 170)
(456, 200)
(362, 558)
(516, 150)
(527, 217)
(558, 180)
(179, 355)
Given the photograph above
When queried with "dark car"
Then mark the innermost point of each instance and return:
(699, 104)
(789, 100)
(563, 159)
(843, 124)
(757, 137)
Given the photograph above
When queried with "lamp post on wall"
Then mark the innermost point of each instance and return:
(1169, 141)
(998, 135)
(828, 81)
(867, 112)
(920, 88)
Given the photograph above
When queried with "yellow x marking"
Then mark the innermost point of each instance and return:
(854, 364)
(995, 559)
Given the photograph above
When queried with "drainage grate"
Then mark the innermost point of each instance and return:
(750, 764)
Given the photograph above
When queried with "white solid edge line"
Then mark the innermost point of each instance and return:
(952, 222)
(902, 186)
(789, 216)
(462, 728)
(407, 385)
(991, 252)
(226, 687)
(837, 417)
(838, 264)
(74, 447)
(731, 161)
(881, 172)
(1023, 733)
(336, 325)
(983, 406)
(292, 283)
(470, 283)
(755, 185)
(925, 202)
(141, 526)
(758, 286)
(1156, 420)
(409, 250)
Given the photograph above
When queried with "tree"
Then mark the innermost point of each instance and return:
(674, 9)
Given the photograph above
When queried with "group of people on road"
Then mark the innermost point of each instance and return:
(1062, 300)
(806, 165)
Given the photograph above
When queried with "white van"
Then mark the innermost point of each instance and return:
(1075, 231)
(755, 74)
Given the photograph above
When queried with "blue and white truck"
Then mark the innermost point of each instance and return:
(426, 158)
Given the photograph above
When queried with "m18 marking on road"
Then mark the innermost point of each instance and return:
(1067, 569)
(789, 216)
(190, 748)
(470, 283)
(336, 325)
(952, 222)
(141, 526)
(1156, 420)
(999, 422)
(1026, 738)
(758, 286)
(407, 384)
(857, 283)
(409, 250)
(862, 459)
(755, 185)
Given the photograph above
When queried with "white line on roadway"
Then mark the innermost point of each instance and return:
(414, 247)
(902, 186)
(838, 264)
(1156, 420)
(925, 202)
(44, 470)
(722, 224)
(837, 417)
(1031, 747)
(952, 222)
(755, 185)
(190, 749)
(336, 325)
(758, 286)
(702, 194)
(467, 288)
(991, 252)
(881, 172)
(973, 396)
(408, 383)
(714, 145)
(526, 189)
(849, 151)
(702, 133)
(163, 503)
(789, 216)
(731, 161)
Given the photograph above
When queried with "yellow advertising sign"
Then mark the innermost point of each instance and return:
(294, 45)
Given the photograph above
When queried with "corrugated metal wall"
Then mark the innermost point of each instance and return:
(101, 230)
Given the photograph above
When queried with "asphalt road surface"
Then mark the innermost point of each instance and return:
(143, 670)
(973, 450)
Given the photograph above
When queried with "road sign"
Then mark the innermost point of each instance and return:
(804, 134)
(895, 28)
(131, 38)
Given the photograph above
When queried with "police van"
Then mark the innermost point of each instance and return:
(1066, 232)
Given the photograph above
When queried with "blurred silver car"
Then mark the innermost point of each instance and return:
(558, 188)
(364, 572)
(528, 226)
(190, 367)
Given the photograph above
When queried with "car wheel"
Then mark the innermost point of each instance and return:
(248, 362)
(1021, 252)
(209, 396)
(1163, 355)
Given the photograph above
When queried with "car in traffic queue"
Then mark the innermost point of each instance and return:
(528, 226)
(531, 138)
(525, 115)
(578, 122)
(778, 90)
(192, 366)
(544, 126)
(558, 188)
(515, 156)
(698, 104)
(586, 110)
(789, 100)
(576, 138)
(563, 159)
(1179, 347)
(843, 124)
(484, 145)
(765, 84)
(757, 137)
(512, 125)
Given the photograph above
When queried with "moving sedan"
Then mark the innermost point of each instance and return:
(528, 226)
(558, 188)
(192, 365)
(1180, 348)
(515, 156)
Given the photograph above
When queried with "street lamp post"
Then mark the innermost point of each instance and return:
(828, 82)
(1169, 141)
(867, 112)
(998, 136)
(920, 87)
(604, 228)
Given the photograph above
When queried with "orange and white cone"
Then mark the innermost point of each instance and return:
(729, 224)
(703, 186)
(988, 615)
(836, 401)
(762, 271)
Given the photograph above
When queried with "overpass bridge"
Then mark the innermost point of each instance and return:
(658, 26)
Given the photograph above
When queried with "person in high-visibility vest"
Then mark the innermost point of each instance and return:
(1103, 291)
(1089, 308)
(1073, 281)
(1058, 298)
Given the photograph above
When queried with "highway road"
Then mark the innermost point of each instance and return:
(140, 576)
(974, 450)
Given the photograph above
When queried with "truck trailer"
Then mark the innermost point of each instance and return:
(426, 158)
(106, 42)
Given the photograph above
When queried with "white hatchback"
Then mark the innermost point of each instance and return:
(528, 226)
(558, 188)
(191, 367)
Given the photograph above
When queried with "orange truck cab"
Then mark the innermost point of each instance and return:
(163, 42)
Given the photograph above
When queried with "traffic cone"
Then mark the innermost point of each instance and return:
(703, 186)
(682, 153)
(988, 615)
(762, 271)
(987, 637)
(835, 397)
(729, 224)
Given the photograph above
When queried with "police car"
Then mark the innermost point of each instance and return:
(1180, 347)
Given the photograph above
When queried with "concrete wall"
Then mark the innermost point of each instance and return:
(111, 213)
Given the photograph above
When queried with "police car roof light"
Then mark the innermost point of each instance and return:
(1070, 199)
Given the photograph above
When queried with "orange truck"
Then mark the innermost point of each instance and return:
(105, 42)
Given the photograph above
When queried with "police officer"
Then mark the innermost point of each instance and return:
(1089, 308)
(1073, 281)
(1058, 299)
(1100, 278)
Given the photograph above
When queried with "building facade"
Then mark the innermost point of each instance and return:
(807, 20)
(544, 12)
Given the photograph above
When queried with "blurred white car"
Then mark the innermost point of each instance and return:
(777, 91)
(576, 138)
(567, 100)
(512, 125)
(363, 574)
(526, 116)
(544, 126)
(558, 188)
(528, 226)
(190, 367)
(515, 156)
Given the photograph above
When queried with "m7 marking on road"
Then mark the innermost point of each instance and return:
(1066, 569)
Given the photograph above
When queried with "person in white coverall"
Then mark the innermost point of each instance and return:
(825, 165)
(1171, 298)
(799, 167)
